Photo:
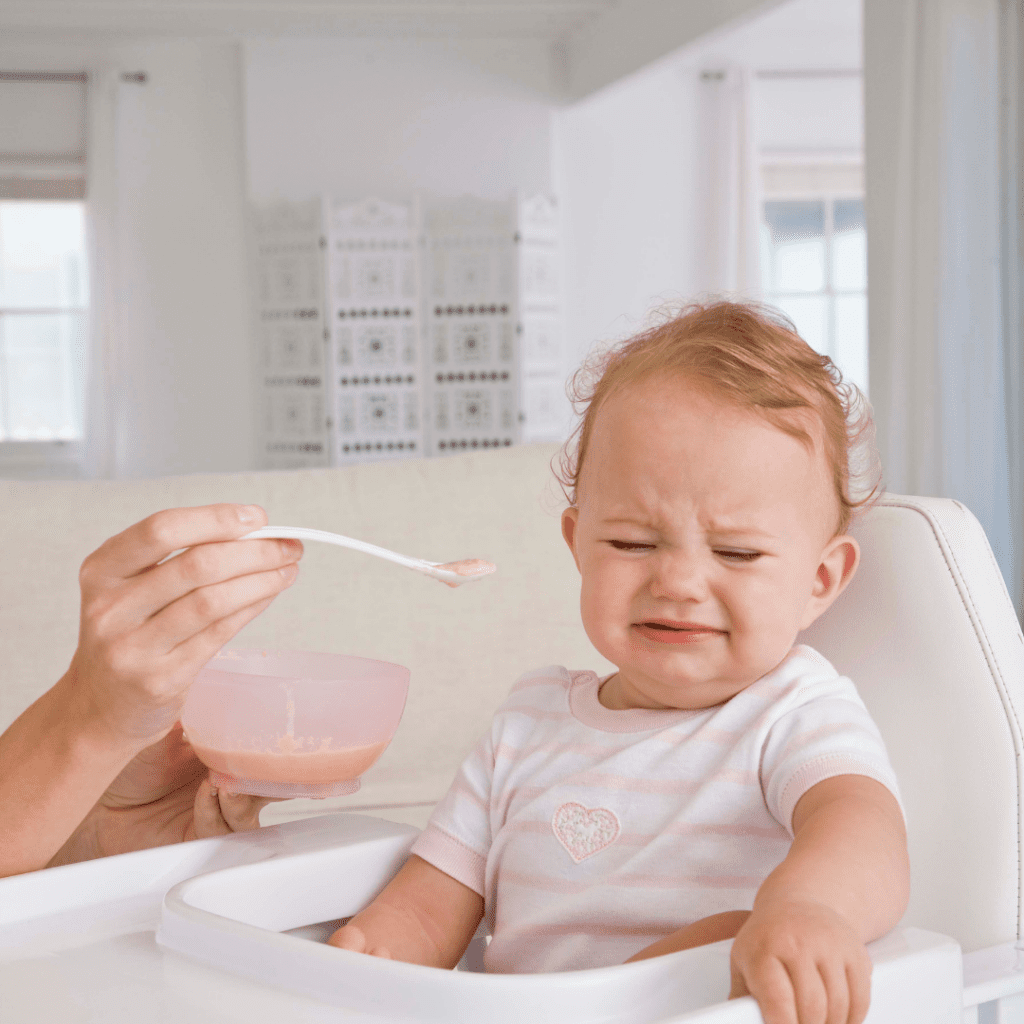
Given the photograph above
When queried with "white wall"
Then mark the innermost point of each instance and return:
(359, 117)
(167, 185)
(183, 402)
(628, 178)
(634, 160)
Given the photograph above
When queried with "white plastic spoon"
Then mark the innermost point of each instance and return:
(452, 573)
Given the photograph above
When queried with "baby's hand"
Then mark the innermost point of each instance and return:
(352, 937)
(803, 963)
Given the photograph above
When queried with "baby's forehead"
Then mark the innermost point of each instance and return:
(633, 457)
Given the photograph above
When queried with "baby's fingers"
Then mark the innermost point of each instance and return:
(769, 983)
(834, 979)
(350, 937)
(858, 981)
(813, 1001)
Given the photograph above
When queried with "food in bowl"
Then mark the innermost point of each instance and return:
(292, 723)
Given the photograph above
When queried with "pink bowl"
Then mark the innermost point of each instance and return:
(292, 723)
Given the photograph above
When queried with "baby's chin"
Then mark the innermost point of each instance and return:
(674, 691)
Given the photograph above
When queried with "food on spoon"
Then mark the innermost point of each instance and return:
(467, 567)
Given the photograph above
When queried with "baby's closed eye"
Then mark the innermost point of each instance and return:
(728, 554)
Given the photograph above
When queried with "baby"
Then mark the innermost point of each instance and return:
(724, 781)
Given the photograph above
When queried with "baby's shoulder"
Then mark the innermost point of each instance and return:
(551, 680)
(541, 692)
(805, 676)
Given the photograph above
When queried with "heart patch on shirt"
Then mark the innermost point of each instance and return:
(584, 831)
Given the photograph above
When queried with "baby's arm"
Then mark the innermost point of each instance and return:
(700, 933)
(423, 916)
(845, 882)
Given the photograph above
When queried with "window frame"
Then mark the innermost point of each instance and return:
(59, 178)
(828, 195)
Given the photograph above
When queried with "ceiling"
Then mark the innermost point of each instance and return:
(599, 41)
(536, 19)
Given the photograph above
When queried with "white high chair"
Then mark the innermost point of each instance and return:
(928, 633)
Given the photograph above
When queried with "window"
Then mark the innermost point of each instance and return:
(44, 287)
(814, 268)
(43, 320)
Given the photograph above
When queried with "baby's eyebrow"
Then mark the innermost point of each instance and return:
(718, 529)
(721, 530)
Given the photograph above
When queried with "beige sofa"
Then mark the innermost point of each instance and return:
(465, 647)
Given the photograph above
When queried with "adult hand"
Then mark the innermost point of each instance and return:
(803, 963)
(147, 628)
(96, 757)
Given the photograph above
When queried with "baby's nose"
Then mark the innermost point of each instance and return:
(678, 576)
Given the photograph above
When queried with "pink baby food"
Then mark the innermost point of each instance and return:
(468, 567)
(288, 764)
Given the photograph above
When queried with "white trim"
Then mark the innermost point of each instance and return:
(41, 459)
(811, 156)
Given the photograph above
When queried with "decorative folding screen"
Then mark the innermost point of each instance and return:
(374, 309)
(287, 253)
(470, 266)
(391, 331)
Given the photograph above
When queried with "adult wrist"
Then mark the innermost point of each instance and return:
(88, 731)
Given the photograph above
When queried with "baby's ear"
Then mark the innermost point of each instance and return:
(838, 565)
(570, 520)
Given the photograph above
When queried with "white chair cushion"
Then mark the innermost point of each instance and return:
(928, 633)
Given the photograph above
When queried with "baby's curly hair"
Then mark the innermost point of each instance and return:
(750, 354)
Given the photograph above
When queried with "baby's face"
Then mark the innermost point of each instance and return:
(692, 512)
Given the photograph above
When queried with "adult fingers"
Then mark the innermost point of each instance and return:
(206, 812)
(117, 610)
(212, 610)
(240, 811)
(151, 689)
(155, 537)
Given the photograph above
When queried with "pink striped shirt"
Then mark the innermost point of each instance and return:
(592, 833)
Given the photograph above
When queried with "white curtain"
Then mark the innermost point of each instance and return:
(101, 390)
(730, 260)
(945, 347)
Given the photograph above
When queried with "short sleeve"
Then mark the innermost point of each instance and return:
(828, 733)
(458, 836)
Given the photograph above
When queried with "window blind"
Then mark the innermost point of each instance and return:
(42, 135)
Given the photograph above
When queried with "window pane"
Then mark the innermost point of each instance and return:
(800, 266)
(795, 219)
(42, 255)
(796, 249)
(41, 371)
(848, 215)
(851, 355)
(809, 314)
(850, 261)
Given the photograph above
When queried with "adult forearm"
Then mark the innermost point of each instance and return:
(850, 856)
(53, 770)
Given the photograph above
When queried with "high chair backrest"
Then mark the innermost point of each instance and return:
(927, 632)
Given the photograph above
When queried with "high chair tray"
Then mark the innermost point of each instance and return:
(226, 930)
